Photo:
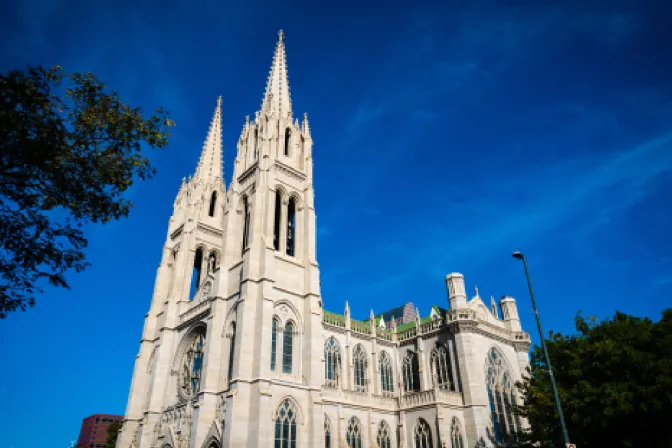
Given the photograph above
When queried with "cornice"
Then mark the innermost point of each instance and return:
(289, 171)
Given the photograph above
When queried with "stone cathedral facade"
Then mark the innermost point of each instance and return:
(238, 350)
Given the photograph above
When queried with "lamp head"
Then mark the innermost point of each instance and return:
(518, 255)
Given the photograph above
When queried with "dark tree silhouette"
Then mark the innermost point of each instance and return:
(67, 155)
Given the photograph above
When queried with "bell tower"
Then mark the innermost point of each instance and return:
(235, 324)
(190, 259)
(272, 276)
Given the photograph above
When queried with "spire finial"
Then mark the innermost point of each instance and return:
(281, 36)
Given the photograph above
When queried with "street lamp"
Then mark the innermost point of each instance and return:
(520, 256)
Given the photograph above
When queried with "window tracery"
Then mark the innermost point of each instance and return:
(285, 425)
(411, 371)
(360, 363)
(384, 438)
(456, 434)
(386, 378)
(353, 435)
(422, 435)
(500, 396)
(332, 363)
(192, 365)
(441, 373)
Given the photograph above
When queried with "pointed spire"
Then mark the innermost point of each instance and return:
(277, 97)
(371, 316)
(347, 308)
(210, 164)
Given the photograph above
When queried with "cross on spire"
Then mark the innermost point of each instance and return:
(277, 97)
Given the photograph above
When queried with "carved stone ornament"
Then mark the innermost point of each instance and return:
(221, 408)
(192, 367)
(207, 288)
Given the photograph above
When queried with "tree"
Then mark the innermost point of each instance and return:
(112, 433)
(67, 155)
(614, 380)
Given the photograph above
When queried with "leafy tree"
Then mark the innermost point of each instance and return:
(112, 433)
(614, 380)
(67, 155)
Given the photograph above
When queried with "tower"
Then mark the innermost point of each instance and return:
(235, 320)
(237, 350)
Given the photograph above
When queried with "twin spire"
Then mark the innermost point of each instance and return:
(210, 164)
(276, 99)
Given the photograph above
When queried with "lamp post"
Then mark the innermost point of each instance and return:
(565, 436)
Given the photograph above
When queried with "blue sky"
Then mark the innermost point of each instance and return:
(446, 136)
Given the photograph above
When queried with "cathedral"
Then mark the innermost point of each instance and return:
(238, 349)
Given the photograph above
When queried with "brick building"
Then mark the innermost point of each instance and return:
(94, 430)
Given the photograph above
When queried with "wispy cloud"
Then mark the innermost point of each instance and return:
(584, 193)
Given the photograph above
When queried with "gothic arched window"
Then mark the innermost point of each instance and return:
(285, 425)
(422, 435)
(291, 226)
(411, 372)
(332, 362)
(276, 220)
(327, 432)
(288, 139)
(441, 374)
(384, 437)
(246, 223)
(196, 273)
(213, 202)
(192, 365)
(287, 347)
(360, 362)
(232, 349)
(386, 378)
(274, 342)
(353, 436)
(500, 396)
(456, 434)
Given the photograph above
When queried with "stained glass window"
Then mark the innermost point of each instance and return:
(285, 425)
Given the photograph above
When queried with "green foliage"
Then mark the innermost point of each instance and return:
(112, 433)
(65, 160)
(614, 379)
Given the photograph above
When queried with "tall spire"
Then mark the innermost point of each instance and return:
(210, 164)
(277, 98)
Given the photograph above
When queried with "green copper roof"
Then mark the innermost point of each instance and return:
(405, 326)
(333, 314)
(439, 309)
